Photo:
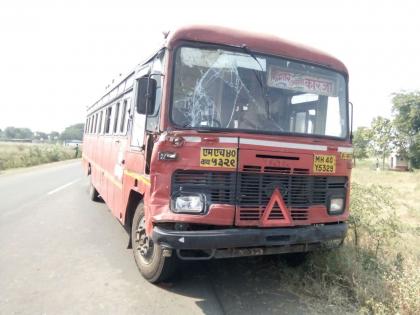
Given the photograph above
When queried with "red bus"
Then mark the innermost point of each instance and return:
(223, 144)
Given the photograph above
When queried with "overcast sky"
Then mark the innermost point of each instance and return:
(56, 57)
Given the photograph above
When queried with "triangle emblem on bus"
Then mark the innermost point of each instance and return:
(276, 199)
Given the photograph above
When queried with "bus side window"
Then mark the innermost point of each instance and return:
(96, 123)
(91, 124)
(107, 119)
(100, 123)
(123, 120)
(116, 114)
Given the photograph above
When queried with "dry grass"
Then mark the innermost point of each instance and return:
(381, 273)
(405, 194)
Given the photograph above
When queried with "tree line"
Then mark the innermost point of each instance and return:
(73, 132)
(400, 134)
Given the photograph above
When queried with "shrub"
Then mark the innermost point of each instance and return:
(23, 155)
(370, 273)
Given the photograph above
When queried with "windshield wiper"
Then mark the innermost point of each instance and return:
(259, 78)
(198, 129)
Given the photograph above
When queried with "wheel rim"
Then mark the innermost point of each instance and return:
(144, 245)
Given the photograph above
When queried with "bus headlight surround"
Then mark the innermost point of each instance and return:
(189, 203)
(336, 205)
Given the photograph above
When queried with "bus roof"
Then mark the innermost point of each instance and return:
(257, 42)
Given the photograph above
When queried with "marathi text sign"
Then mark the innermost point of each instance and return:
(286, 79)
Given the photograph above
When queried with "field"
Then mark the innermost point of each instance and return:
(14, 155)
(405, 195)
(377, 269)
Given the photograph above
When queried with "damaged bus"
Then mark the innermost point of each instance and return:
(223, 144)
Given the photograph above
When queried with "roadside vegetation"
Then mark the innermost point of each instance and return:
(377, 269)
(14, 155)
(21, 147)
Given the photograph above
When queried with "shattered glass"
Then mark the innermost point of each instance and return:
(216, 88)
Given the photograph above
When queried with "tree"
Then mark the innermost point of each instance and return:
(382, 137)
(361, 140)
(18, 133)
(406, 110)
(73, 132)
(1, 134)
(53, 135)
(39, 135)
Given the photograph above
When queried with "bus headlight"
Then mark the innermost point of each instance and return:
(191, 203)
(336, 205)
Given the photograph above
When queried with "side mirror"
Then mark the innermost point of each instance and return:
(146, 95)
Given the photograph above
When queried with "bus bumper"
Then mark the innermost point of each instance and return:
(294, 239)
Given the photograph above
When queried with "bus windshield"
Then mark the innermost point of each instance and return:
(239, 91)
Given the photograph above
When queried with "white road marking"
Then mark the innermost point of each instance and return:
(62, 187)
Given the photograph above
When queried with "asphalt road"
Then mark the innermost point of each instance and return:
(60, 253)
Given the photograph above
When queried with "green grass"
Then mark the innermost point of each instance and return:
(13, 155)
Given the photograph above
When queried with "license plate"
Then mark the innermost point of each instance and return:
(324, 164)
(218, 157)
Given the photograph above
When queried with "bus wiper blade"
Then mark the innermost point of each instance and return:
(205, 130)
(259, 77)
(198, 129)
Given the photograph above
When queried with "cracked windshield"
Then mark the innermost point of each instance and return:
(221, 89)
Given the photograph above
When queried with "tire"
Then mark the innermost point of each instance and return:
(93, 193)
(151, 262)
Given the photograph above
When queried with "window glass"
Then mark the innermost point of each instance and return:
(215, 88)
(127, 115)
(123, 115)
(96, 123)
(100, 123)
(116, 114)
(91, 124)
(157, 66)
(107, 119)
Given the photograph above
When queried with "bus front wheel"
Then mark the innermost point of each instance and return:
(151, 262)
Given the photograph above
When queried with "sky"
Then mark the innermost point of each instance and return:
(56, 57)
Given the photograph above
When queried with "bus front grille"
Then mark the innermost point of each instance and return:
(251, 190)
